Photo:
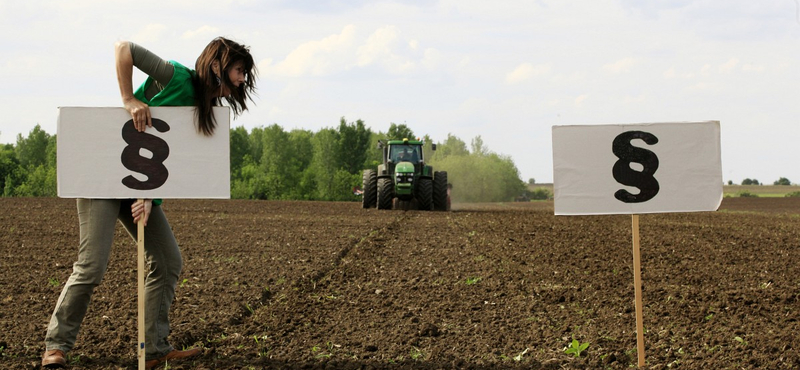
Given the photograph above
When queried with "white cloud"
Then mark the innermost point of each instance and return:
(378, 45)
(702, 86)
(633, 99)
(672, 73)
(431, 58)
(382, 47)
(749, 67)
(205, 31)
(526, 71)
(315, 58)
(728, 66)
(620, 66)
(152, 32)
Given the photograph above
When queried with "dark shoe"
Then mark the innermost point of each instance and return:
(174, 355)
(54, 359)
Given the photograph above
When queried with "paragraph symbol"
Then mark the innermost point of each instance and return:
(625, 175)
(132, 159)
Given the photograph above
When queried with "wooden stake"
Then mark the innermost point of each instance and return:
(140, 283)
(637, 285)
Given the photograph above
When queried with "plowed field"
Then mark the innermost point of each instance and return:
(312, 285)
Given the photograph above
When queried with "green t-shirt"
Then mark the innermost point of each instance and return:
(179, 92)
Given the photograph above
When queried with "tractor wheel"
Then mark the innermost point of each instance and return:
(440, 201)
(369, 184)
(385, 193)
(425, 194)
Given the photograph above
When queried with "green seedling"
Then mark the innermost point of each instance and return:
(575, 348)
(263, 352)
(74, 360)
(473, 280)
(740, 340)
(183, 282)
(54, 282)
(316, 349)
(416, 354)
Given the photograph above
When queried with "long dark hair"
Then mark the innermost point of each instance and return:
(227, 53)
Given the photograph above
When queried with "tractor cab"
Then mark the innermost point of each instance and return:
(405, 153)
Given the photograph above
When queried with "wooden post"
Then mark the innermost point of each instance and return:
(637, 285)
(140, 282)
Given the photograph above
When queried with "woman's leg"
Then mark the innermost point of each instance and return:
(97, 218)
(164, 259)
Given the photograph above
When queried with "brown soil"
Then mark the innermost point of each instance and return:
(310, 285)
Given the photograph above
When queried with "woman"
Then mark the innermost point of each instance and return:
(224, 70)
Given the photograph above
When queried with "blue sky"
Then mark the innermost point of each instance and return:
(505, 70)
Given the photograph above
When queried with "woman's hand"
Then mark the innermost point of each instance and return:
(140, 210)
(140, 112)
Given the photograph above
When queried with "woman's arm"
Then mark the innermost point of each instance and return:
(139, 111)
(158, 69)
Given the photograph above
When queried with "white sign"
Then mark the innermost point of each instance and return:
(101, 155)
(639, 168)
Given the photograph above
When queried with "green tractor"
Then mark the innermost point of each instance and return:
(404, 180)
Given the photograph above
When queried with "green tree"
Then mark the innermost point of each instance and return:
(353, 141)
(239, 148)
(250, 183)
(374, 154)
(540, 194)
(40, 181)
(275, 162)
(8, 163)
(427, 148)
(399, 132)
(478, 147)
(324, 163)
(256, 141)
(273, 168)
(32, 151)
(302, 155)
(782, 181)
(35, 175)
(452, 146)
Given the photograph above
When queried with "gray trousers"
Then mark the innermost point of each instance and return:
(98, 219)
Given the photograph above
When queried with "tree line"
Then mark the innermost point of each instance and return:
(749, 181)
(273, 163)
